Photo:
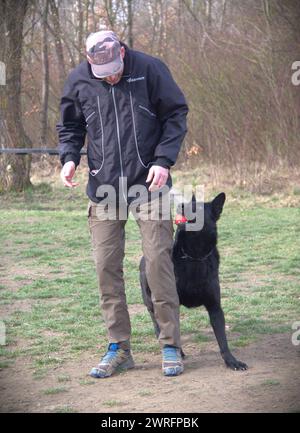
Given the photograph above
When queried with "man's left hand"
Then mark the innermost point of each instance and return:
(158, 175)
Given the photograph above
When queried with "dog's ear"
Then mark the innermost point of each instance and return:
(217, 205)
(194, 203)
(180, 208)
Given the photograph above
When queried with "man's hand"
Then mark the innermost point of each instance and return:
(158, 175)
(67, 174)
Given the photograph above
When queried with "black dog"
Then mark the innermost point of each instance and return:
(196, 266)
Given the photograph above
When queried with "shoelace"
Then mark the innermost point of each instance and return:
(170, 354)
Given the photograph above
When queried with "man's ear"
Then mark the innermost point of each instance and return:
(122, 51)
(217, 205)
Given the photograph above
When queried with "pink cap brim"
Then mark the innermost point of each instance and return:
(112, 68)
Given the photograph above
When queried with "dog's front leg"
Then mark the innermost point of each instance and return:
(217, 321)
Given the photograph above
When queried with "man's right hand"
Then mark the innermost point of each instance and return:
(67, 174)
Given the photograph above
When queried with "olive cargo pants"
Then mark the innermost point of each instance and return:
(108, 244)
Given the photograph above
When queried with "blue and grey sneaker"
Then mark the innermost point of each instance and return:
(172, 364)
(116, 358)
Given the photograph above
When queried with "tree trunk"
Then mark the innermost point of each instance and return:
(45, 78)
(58, 42)
(14, 169)
(130, 23)
(223, 17)
(209, 12)
(80, 30)
(111, 16)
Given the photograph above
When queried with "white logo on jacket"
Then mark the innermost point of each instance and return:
(130, 80)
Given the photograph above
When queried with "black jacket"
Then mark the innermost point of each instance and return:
(138, 122)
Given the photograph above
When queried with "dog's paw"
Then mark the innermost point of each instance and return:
(235, 364)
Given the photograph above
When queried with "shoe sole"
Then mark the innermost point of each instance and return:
(126, 365)
(172, 371)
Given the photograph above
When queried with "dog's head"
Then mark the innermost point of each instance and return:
(203, 239)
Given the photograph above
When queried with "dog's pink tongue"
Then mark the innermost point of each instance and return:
(179, 219)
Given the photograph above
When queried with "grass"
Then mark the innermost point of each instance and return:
(64, 378)
(5, 364)
(64, 409)
(270, 382)
(47, 263)
(52, 391)
(112, 403)
(87, 382)
(145, 393)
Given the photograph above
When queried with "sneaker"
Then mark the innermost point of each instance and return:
(172, 364)
(115, 359)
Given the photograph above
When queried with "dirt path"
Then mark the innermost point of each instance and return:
(272, 383)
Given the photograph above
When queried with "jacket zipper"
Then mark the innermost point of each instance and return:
(135, 136)
(119, 141)
(94, 172)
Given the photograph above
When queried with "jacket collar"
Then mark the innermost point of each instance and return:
(127, 61)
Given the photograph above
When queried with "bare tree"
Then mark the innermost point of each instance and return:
(130, 22)
(232, 58)
(111, 10)
(79, 29)
(14, 170)
(45, 76)
(57, 33)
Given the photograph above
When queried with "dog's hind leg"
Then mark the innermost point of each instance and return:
(146, 294)
(217, 321)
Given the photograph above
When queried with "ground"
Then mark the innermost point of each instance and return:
(271, 384)
(49, 302)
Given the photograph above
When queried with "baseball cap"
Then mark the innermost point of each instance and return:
(104, 53)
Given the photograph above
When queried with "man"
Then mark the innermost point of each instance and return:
(134, 115)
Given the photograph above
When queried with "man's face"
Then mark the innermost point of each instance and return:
(114, 79)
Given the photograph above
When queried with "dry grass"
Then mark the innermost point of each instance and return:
(276, 181)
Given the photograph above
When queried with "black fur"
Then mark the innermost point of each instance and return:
(196, 266)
